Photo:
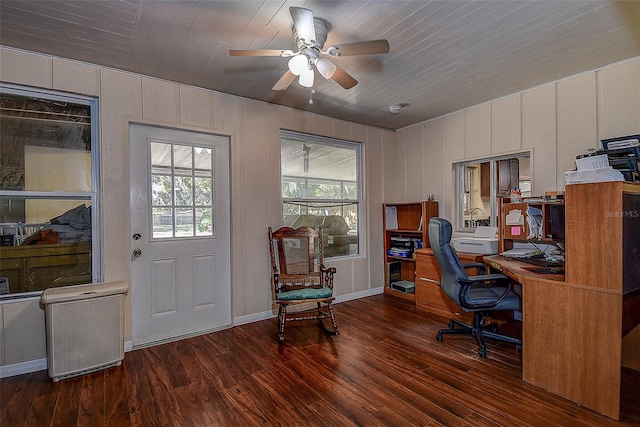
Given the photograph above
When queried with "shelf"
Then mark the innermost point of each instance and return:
(399, 258)
(397, 294)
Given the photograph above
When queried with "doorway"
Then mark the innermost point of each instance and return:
(180, 234)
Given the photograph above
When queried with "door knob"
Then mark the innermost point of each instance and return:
(137, 252)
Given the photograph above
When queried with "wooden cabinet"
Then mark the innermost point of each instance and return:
(603, 244)
(508, 176)
(429, 295)
(407, 220)
(577, 334)
(485, 179)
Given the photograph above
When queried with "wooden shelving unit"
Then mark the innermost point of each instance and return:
(510, 233)
(407, 220)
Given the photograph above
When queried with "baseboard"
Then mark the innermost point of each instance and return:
(23, 368)
(128, 346)
(358, 295)
(256, 317)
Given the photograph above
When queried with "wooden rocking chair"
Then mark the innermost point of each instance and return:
(299, 276)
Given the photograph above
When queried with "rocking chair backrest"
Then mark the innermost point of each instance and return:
(296, 256)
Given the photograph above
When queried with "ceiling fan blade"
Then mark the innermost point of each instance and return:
(303, 23)
(260, 52)
(370, 47)
(284, 81)
(343, 78)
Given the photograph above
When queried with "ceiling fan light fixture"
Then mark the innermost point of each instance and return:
(326, 68)
(306, 78)
(298, 64)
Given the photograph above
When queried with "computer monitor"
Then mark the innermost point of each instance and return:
(556, 214)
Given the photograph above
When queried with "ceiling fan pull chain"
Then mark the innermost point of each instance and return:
(311, 92)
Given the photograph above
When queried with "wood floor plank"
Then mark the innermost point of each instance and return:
(142, 407)
(116, 405)
(384, 369)
(92, 400)
(68, 403)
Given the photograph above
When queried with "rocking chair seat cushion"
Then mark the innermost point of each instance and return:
(308, 293)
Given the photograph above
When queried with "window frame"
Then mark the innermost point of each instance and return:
(92, 196)
(459, 169)
(358, 201)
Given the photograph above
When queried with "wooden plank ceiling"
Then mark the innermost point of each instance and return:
(445, 55)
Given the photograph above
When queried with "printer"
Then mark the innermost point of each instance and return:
(484, 241)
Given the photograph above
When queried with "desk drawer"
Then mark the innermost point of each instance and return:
(430, 297)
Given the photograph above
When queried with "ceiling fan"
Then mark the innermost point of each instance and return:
(310, 35)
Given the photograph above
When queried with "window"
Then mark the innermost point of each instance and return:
(481, 182)
(48, 190)
(321, 186)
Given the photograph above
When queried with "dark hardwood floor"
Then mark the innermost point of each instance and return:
(385, 369)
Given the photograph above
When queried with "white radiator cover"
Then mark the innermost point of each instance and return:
(85, 328)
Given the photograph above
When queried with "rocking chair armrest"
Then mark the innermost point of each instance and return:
(328, 275)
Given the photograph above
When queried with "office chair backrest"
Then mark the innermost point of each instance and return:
(450, 267)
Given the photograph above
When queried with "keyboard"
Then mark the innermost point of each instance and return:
(545, 270)
(542, 262)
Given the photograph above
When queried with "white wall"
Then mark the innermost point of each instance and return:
(255, 180)
(557, 121)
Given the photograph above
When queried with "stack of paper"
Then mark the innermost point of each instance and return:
(514, 217)
(534, 220)
(593, 169)
(521, 252)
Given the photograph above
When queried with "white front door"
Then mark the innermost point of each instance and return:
(180, 233)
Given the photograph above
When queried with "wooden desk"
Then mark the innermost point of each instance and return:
(575, 336)
(515, 269)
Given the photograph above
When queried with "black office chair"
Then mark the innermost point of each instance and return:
(477, 294)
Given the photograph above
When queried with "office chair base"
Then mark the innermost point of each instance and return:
(487, 331)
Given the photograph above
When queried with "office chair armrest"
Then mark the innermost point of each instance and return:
(479, 281)
(480, 266)
(476, 280)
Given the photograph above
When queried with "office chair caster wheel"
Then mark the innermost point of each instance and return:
(439, 337)
(482, 353)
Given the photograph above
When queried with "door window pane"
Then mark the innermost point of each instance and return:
(181, 190)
